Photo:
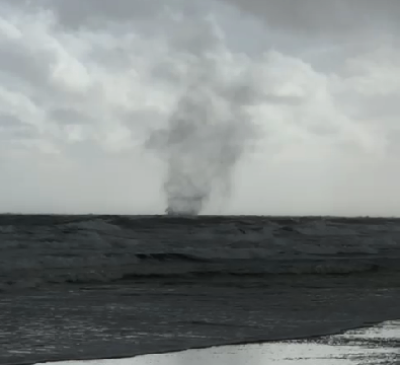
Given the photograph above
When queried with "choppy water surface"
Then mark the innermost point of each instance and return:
(95, 287)
(48, 249)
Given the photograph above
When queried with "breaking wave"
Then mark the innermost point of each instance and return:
(35, 250)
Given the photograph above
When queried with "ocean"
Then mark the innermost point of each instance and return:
(93, 287)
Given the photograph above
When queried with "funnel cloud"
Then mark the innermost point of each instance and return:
(206, 136)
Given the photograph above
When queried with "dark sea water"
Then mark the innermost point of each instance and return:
(87, 287)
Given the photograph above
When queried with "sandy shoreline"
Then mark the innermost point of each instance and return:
(345, 345)
(288, 340)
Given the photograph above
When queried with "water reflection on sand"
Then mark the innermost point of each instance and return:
(376, 345)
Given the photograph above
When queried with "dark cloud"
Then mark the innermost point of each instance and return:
(21, 63)
(76, 13)
(320, 17)
(13, 128)
(69, 116)
(9, 121)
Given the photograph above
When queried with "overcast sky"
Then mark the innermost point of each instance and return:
(83, 84)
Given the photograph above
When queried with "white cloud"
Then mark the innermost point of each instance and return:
(82, 87)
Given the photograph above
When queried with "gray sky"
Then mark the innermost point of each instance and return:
(83, 84)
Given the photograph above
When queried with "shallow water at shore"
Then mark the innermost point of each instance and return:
(375, 345)
(137, 318)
